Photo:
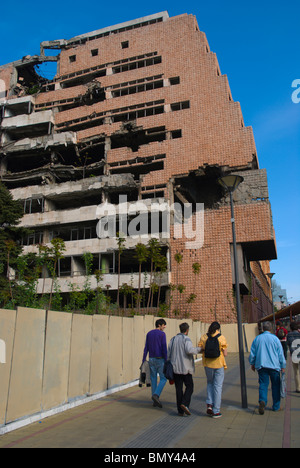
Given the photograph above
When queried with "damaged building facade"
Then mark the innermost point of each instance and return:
(140, 110)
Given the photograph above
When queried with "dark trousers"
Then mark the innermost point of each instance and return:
(264, 376)
(183, 398)
(285, 348)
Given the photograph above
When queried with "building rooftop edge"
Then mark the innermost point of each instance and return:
(164, 15)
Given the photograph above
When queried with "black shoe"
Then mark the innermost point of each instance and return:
(261, 408)
(185, 409)
(156, 401)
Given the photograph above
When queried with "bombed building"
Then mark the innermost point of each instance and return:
(140, 111)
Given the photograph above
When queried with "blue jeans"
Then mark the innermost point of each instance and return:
(264, 376)
(215, 379)
(156, 367)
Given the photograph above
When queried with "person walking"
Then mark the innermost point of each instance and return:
(267, 357)
(281, 334)
(180, 353)
(214, 351)
(156, 346)
(293, 341)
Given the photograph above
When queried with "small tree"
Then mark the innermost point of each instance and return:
(162, 264)
(120, 241)
(126, 290)
(43, 260)
(196, 267)
(87, 291)
(28, 271)
(141, 253)
(10, 246)
(154, 253)
(56, 253)
(11, 212)
(178, 257)
(99, 292)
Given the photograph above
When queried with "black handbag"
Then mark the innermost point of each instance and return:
(168, 366)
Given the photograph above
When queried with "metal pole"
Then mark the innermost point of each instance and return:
(239, 315)
(273, 311)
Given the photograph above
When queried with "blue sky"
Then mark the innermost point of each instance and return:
(258, 47)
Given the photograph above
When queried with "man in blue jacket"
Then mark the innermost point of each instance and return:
(156, 346)
(267, 358)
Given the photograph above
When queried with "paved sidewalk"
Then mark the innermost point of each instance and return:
(127, 420)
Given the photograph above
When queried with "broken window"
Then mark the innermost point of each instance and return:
(33, 205)
(155, 194)
(154, 191)
(83, 123)
(180, 105)
(33, 239)
(116, 115)
(67, 232)
(82, 77)
(129, 262)
(139, 88)
(147, 111)
(176, 134)
(64, 267)
(107, 263)
(134, 137)
(139, 169)
(137, 64)
(33, 74)
(26, 162)
(83, 233)
(90, 154)
(200, 187)
(103, 262)
(94, 93)
(132, 195)
(61, 234)
(175, 80)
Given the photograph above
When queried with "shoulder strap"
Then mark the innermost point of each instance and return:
(172, 343)
(172, 346)
(216, 336)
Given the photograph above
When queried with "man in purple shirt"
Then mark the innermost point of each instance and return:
(156, 346)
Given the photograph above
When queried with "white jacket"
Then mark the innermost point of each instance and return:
(181, 354)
